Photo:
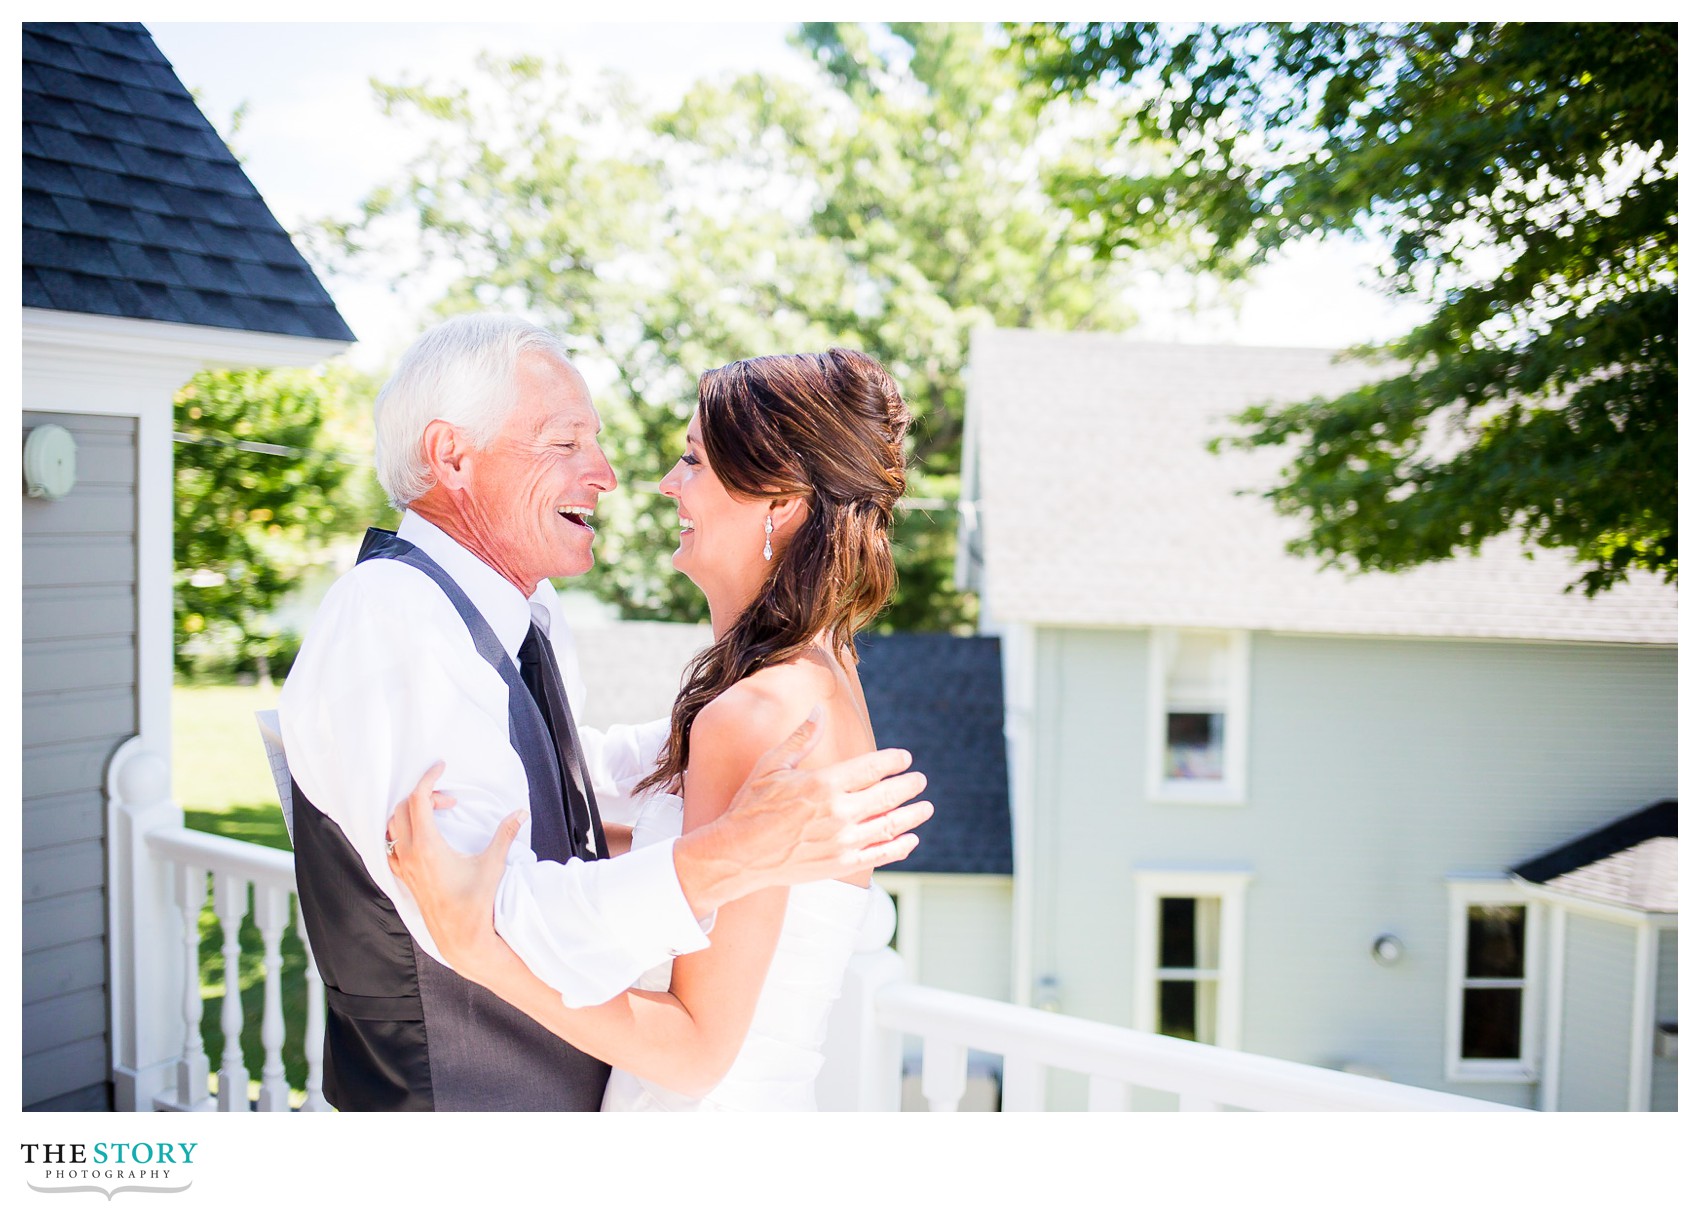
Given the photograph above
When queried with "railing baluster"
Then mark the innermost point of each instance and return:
(193, 1093)
(1023, 1084)
(944, 1073)
(313, 1043)
(271, 916)
(1114, 1059)
(1105, 1094)
(230, 902)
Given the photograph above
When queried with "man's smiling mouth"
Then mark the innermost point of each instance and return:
(579, 514)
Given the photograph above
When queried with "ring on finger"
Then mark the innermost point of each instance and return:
(389, 846)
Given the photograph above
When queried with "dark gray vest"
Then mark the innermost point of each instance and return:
(404, 1033)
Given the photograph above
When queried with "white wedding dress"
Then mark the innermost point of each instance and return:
(776, 1068)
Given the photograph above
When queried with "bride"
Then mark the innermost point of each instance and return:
(792, 467)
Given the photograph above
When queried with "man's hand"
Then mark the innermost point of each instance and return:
(786, 826)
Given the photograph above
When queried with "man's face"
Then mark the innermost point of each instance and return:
(534, 486)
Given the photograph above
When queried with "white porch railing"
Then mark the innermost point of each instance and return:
(238, 870)
(163, 1066)
(878, 1007)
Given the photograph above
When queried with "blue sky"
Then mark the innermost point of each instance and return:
(314, 142)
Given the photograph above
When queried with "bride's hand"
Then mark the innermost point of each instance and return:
(456, 893)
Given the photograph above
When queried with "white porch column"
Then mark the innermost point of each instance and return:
(147, 953)
(863, 1066)
(1552, 1053)
(1641, 1026)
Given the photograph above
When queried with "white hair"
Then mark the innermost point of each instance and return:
(462, 371)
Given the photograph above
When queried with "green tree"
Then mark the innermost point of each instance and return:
(259, 490)
(1523, 178)
(893, 206)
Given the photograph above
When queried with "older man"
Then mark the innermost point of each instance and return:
(445, 643)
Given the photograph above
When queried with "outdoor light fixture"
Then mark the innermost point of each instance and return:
(50, 461)
(1387, 950)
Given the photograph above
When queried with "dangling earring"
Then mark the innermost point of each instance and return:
(767, 547)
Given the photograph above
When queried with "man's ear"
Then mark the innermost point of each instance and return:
(445, 450)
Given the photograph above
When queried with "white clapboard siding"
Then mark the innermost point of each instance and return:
(1376, 769)
(79, 704)
(1599, 1002)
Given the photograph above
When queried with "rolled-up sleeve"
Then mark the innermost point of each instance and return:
(388, 683)
(631, 904)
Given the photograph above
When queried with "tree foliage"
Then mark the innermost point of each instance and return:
(1523, 178)
(893, 205)
(260, 486)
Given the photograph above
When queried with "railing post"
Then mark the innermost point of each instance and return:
(193, 1093)
(1105, 1094)
(271, 916)
(944, 1073)
(230, 903)
(313, 1043)
(1023, 1085)
(863, 1066)
(146, 974)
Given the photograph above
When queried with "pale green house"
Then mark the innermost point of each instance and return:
(1283, 810)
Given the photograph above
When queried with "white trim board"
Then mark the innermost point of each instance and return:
(159, 341)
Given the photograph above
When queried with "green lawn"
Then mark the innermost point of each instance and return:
(225, 786)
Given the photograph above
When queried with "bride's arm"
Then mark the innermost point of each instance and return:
(685, 1038)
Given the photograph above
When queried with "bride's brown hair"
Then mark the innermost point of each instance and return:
(828, 428)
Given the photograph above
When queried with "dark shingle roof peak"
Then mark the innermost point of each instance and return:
(1657, 820)
(132, 204)
(1630, 863)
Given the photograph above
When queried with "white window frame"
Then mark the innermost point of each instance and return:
(1151, 886)
(1526, 1068)
(1231, 788)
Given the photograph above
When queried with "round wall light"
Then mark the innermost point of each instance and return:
(50, 462)
(1387, 950)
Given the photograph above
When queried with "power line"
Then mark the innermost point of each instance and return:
(272, 448)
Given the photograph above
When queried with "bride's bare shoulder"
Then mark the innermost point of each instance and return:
(735, 729)
(762, 709)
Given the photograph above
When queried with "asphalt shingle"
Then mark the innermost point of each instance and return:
(1104, 507)
(134, 206)
(1629, 862)
(941, 698)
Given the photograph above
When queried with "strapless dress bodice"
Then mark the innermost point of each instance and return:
(775, 1069)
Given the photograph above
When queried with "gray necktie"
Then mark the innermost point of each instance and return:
(578, 831)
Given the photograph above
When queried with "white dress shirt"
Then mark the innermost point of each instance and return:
(388, 682)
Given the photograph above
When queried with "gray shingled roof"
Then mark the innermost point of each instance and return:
(1630, 862)
(1100, 506)
(132, 204)
(941, 698)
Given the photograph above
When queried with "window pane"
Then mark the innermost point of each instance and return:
(1194, 749)
(1178, 932)
(1493, 1024)
(1187, 1009)
(1177, 1009)
(1495, 947)
(1199, 670)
